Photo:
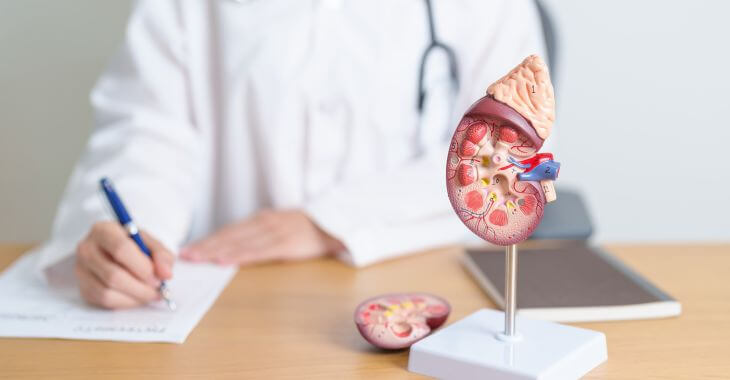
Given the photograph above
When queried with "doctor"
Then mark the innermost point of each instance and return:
(252, 131)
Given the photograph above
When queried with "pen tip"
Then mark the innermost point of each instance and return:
(165, 293)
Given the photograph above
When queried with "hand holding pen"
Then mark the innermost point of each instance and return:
(115, 273)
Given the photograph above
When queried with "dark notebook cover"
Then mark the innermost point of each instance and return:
(573, 282)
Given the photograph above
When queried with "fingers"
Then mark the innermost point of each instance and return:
(264, 247)
(237, 234)
(268, 236)
(96, 293)
(251, 257)
(113, 240)
(206, 249)
(114, 273)
(117, 278)
(162, 258)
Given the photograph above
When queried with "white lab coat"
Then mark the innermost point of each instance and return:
(214, 110)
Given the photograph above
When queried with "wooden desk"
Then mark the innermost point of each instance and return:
(295, 321)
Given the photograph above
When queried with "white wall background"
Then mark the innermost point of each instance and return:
(644, 97)
(643, 124)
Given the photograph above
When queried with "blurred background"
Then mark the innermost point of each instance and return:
(643, 98)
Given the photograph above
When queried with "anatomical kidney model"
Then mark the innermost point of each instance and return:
(498, 184)
(497, 181)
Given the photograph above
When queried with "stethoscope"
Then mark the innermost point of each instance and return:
(435, 44)
(433, 115)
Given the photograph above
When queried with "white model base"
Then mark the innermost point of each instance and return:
(472, 349)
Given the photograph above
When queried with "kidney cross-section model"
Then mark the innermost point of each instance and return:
(497, 181)
(395, 321)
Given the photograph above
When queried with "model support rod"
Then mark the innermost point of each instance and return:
(510, 289)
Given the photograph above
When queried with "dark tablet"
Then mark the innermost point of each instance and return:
(566, 218)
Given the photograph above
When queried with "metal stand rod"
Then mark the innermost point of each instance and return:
(510, 289)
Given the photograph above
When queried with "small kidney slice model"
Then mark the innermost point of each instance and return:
(497, 181)
(395, 321)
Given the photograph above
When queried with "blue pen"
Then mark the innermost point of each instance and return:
(126, 221)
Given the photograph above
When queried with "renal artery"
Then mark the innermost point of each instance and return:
(529, 163)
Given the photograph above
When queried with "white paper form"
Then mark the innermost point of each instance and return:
(29, 308)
